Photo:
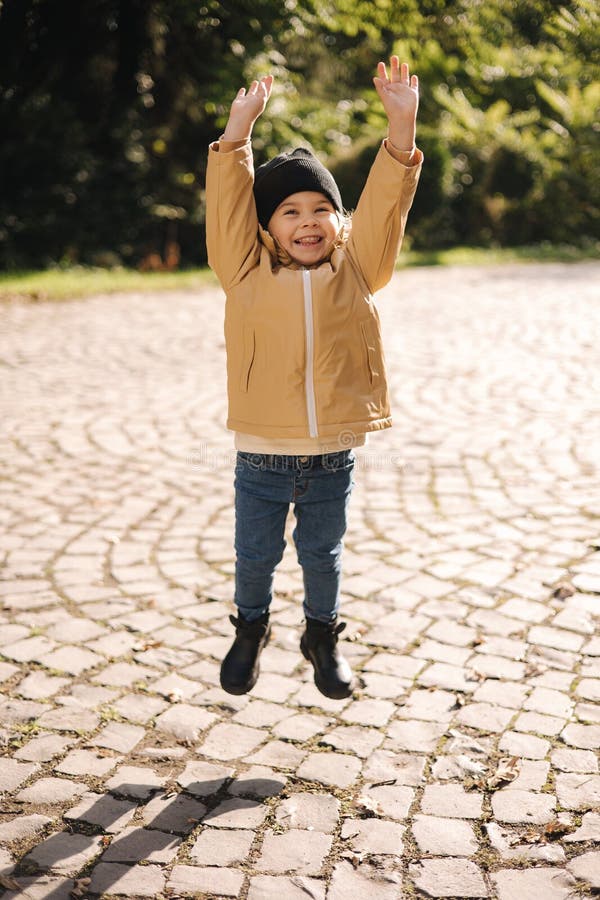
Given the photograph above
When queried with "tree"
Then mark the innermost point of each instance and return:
(107, 107)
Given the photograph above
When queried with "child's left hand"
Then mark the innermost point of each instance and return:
(400, 97)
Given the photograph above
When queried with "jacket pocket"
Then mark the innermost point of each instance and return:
(369, 342)
(248, 353)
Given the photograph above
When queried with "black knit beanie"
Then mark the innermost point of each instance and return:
(287, 174)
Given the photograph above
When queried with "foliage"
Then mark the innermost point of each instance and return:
(107, 107)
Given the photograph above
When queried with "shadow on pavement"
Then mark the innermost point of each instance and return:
(108, 854)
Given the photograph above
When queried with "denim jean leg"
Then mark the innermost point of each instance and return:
(321, 516)
(260, 513)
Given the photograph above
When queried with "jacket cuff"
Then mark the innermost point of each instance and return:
(222, 146)
(408, 158)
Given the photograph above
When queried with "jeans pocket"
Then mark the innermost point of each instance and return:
(253, 462)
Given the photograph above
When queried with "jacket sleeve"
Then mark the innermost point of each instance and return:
(231, 220)
(379, 220)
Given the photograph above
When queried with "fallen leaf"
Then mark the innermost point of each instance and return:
(507, 770)
(472, 675)
(562, 590)
(464, 742)
(175, 696)
(470, 766)
(535, 669)
(9, 883)
(556, 829)
(355, 858)
(369, 806)
(531, 836)
(474, 784)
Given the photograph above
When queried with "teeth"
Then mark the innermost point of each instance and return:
(313, 240)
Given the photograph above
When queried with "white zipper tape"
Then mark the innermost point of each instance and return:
(311, 406)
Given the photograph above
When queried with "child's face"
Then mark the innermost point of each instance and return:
(306, 225)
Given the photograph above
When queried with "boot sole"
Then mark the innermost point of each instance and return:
(239, 689)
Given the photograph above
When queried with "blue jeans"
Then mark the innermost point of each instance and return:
(319, 487)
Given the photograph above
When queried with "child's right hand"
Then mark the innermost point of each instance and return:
(246, 108)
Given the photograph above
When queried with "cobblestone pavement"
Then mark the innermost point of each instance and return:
(465, 765)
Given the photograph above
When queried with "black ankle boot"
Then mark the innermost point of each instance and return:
(333, 675)
(240, 668)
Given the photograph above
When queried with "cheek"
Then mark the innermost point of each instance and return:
(277, 230)
(333, 228)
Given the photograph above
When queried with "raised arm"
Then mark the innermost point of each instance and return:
(379, 220)
(231, 222)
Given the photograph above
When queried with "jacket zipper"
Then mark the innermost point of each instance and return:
(311, 406)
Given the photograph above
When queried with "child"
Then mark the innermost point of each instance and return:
(305, 366)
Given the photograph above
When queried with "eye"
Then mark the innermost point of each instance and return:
(290, 212)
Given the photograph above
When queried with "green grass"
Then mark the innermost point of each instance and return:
(82, 281)
(483, 256)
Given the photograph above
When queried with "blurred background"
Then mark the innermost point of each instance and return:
(107, 108)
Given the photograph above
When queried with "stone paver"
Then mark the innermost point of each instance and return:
(472, 576)
(136, 881)
(533, 884)
(451, 800)
(137, 844)
(295, 851)
(110, 814)
(373, 835)
(589, 830)
(22, 827)
(448, 877)
(42, 887)
(13, 773)
(336, 769)
(189, 880)
(577, 791)
(274, 887)
(218, 847)
(308, 810)
(174, 813)
(135, 782)
(444, 837)
(523, 806)
(587, 867)
(236, 813)
(51, 791)
(364, 882)
(65, 853)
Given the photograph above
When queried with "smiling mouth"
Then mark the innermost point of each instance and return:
(308, 241)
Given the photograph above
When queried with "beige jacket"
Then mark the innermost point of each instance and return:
(304, 351)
